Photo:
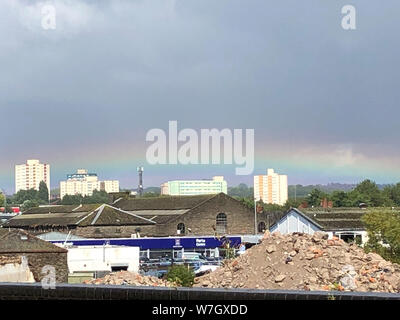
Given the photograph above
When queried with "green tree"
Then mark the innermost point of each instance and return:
(97, 197)
(28, 204)
(23, 195)
(2, 200)
(241, 191)
(392, 192)
(315, 197)
(72, 199)
(383, 227)
(43, 193)
(341, 199)
(367, 191)
(181, 275)
(292, 203)
(271, 207)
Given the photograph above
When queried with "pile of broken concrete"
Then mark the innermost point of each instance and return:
(305, 262)
(130, 278)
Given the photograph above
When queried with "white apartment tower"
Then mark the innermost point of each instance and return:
(30, 174)
(85, 183)
(271, 188)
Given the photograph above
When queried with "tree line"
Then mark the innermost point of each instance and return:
(30, 198)
(367, 192)
(27, 198)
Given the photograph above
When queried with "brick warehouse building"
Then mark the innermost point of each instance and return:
(152, 217)
(17, 246)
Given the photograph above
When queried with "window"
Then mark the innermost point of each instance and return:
(261, 227)
(180, 228)
(221, 223)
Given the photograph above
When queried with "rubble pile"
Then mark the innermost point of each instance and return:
(130, 278)
(305, 262)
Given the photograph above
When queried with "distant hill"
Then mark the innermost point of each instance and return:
(156, 190)
(241, 191)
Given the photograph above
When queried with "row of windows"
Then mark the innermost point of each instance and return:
(221, 225)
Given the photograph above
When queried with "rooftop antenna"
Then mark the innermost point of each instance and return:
(140, 187)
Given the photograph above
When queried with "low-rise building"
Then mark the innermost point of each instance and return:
(212, 215)
(26, 258)
(345, 223)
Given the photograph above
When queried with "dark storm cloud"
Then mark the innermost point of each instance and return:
(285, 68)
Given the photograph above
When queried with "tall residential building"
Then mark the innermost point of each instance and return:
(195, 187)
(85, 183)
(271, 188)
(30, 174)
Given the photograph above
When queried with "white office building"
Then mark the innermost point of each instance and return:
(85, 183)
(195, 187)
(29, 175)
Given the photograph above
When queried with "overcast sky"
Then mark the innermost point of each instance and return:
(323, 101)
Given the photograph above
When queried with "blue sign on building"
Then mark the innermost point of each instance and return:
(159, 243)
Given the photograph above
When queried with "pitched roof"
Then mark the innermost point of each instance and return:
(160, 216)
(19, 241)
(101, 215)
(62, 208)
(163, 202)
(108, 215)
(339, 219)
(166, 216)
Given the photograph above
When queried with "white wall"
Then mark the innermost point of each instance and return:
(102, 258)
(293, 222)
(16, 272)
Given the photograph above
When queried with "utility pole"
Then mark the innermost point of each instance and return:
(255, 216)
(140, 187)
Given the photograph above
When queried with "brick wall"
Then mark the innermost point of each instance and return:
(36, 261)
(201, 219)
(240, 219)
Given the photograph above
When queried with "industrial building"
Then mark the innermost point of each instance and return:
(344, 223)
(204, 215)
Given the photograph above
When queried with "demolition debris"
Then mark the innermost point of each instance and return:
(305, 262)
(130, 278)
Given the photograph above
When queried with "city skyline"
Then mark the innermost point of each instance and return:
(55, 183)
(322, 100)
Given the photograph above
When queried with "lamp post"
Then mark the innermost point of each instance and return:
(255, 216)
(140, 187)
